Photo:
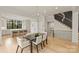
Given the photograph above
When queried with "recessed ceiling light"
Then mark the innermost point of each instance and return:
(38, 14)
(56, 8)
(44, 11)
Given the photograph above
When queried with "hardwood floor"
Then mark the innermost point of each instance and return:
(55, 45)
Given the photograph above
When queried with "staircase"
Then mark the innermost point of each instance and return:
(65, 18)
(62, 25)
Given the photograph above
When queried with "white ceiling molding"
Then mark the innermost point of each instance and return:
(31, 11)
(14, 17)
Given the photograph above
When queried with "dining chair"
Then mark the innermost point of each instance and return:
(22, 43)
(15, 33)
(25, 32)
(21, 32)
(44, 38)
(38, 41)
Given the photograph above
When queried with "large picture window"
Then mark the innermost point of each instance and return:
(14, 24)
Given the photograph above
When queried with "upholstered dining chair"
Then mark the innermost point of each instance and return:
(44, 38)
(22, 43)
(38, 41)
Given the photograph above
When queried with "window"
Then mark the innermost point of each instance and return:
(14, 24)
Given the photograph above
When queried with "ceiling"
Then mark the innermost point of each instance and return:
(34, 11)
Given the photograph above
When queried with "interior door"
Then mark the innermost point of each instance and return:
(34, 27)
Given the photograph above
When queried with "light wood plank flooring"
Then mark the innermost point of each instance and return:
(55, 45)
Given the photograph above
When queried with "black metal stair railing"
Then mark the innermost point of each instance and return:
(63, 19)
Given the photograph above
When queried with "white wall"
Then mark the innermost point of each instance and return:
(60, 29)
(75, 27)
(57, 25)
(3, 21)
(5, 18)
(41, 24)
(26, 25)
(38, 24)
(2, 26)
(66, 35)
(34, 25)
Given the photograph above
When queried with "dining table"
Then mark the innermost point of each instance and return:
(32, 38)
